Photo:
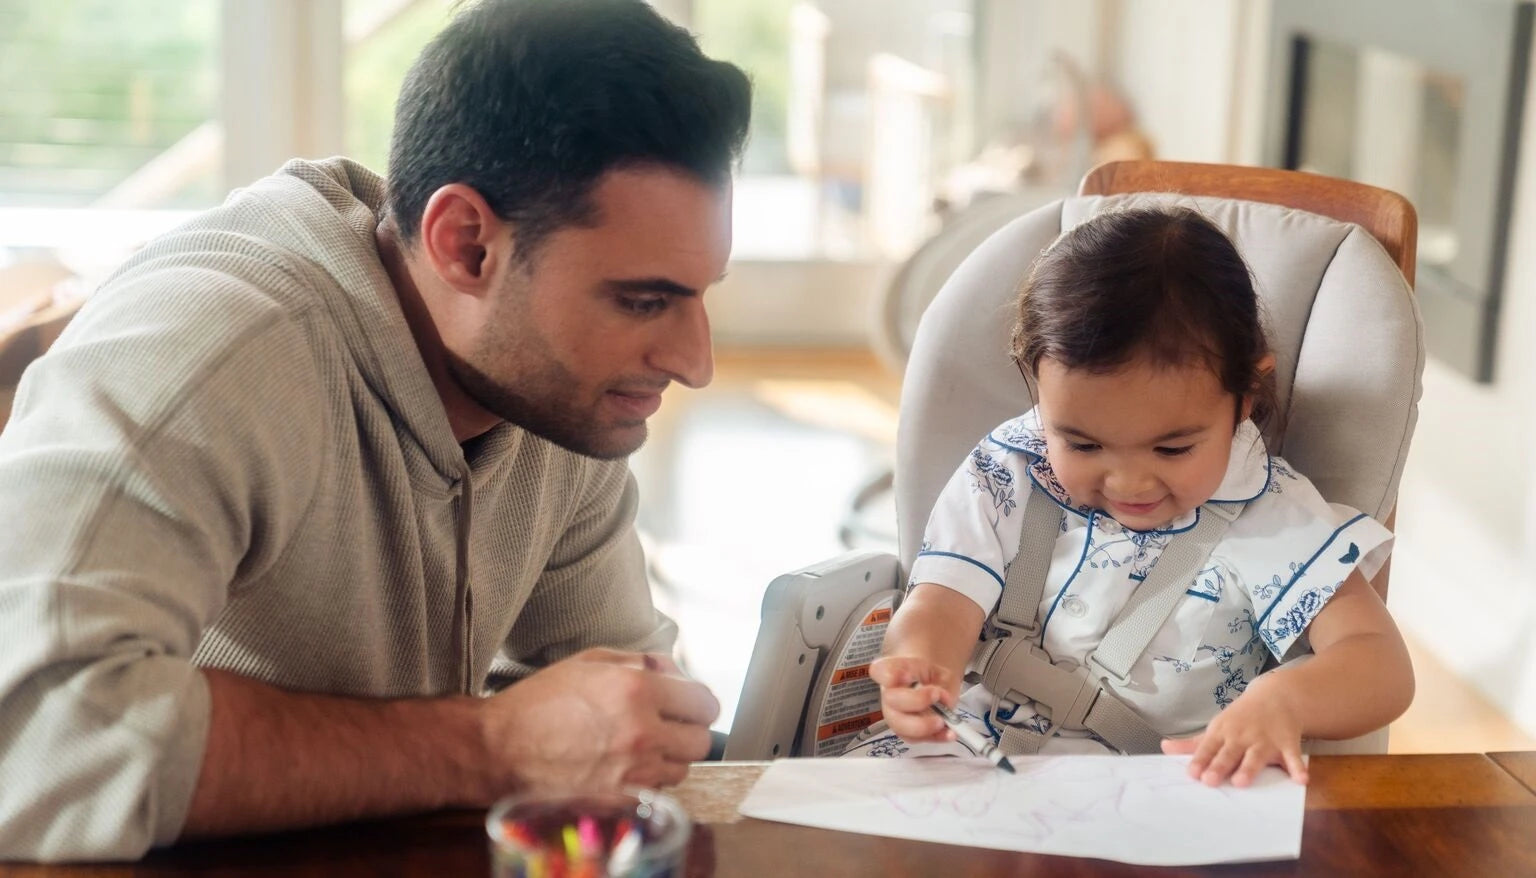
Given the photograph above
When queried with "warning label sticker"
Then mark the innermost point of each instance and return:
(852, 700)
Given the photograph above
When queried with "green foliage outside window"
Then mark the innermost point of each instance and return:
(375, 67)
(90, 90)
(754, 35)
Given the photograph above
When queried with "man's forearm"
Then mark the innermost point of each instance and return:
(277, 759)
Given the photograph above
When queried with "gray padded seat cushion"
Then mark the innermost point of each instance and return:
(1342, 321)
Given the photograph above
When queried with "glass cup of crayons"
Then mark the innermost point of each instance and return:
(630, 834)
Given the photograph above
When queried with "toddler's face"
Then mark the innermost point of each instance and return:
(1146, 444)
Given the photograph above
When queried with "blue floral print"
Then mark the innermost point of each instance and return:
(1287, 626)
(1019, 433)
(1179, 665)
(1210, 582)
(993, 478)
(1138, 549)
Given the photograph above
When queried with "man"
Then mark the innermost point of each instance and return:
(319, 508)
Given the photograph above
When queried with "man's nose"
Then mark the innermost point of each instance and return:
(686, 352)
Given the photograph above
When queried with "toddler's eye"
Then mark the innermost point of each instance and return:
(1083, 447)
(1168, 451)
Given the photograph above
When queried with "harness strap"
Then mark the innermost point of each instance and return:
(1018, 610)
(1013, 665)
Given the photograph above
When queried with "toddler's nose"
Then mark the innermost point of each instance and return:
(1130, 486)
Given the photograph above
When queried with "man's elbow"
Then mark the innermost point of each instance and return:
(80, 780)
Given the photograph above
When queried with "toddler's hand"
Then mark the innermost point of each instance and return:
(1258, 729)
(908, 688)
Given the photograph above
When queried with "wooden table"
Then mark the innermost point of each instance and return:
(1385, 815)
(1521, 765)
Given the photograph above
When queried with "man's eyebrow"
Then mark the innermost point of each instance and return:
(1171, 434)
(650, 285)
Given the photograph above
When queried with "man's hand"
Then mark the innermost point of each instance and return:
(909, 686)
(599, 719)
(1259, 729)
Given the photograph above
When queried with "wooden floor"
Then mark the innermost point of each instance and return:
(754, 475)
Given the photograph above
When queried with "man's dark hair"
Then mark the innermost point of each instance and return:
(531, 102)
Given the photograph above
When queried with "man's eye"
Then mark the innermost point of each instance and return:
(643, 304)
(1174, 451)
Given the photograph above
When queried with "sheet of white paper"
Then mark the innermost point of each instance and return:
(1134, 809)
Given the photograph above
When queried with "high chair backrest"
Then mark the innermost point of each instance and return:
(1342, 322)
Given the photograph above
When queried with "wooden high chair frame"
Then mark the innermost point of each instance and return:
(1388, 216)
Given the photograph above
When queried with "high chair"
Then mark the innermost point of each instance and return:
(1333, 264)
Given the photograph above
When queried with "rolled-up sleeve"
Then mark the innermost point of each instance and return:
(152, 460)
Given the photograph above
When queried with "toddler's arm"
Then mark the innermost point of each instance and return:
(927, 646)
(1358, 679)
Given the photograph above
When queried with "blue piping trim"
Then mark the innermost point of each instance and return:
(1300, 571)
(1184, 529)
(964, 558)
(1052, 497)
(1202, 595)
(986, 719)
(992, 437)
(1087, 543)
(1269, 475)
(1011, 447)
(1089, 516)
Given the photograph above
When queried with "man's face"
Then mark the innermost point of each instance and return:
(583, 338)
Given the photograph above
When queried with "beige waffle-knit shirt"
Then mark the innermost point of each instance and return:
(235, 458)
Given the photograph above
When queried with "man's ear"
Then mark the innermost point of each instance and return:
(462, 239)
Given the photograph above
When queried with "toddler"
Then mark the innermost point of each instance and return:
(1156, 558)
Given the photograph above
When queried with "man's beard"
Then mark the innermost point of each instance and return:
(542, 415)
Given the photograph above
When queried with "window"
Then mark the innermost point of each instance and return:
(382, 37)
(107, 110)
(860, 110)
(96, 91)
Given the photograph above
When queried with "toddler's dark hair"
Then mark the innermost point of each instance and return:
(1164, 285)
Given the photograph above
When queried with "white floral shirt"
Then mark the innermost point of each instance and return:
(1276, 567)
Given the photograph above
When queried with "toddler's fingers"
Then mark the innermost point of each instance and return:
(1253, 763)
(911, 699)
(1222, 765)
(1207, 749)
(893, 672)
(1181, 746)
(939, 694)
(1295, 764)
(919, 727)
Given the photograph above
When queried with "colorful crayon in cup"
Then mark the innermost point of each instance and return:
(635, 834)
